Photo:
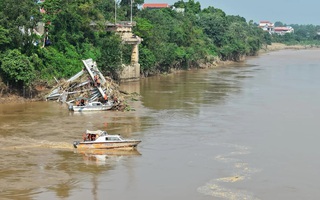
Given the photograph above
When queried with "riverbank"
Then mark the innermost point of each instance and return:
(14, 98)
(266, 49)
(281, 46)
(11, 98)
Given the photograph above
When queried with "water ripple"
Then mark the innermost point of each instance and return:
(241, 171)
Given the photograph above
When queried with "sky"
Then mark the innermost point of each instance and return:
(300, 12)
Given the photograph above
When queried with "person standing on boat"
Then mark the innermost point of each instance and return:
(82, 102)
(93, 137)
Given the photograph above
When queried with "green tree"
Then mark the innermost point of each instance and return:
(278, 24)
(19, 20)
(214, 24)
(179, 4)
(192, 7)
(111, 58)
(17, 68)
(147, 60)
(125, 8)
(4, 38)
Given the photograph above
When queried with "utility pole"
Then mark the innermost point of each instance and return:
(131, 13)
(115, 12)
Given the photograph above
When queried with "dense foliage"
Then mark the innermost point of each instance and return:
(76, 30)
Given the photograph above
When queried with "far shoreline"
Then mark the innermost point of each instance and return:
(269, 48)
(281, 46)
(14, 98)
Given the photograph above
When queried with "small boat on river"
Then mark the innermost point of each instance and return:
(91, 106)
(102, 140)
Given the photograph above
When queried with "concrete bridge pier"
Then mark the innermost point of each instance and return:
(130, 72)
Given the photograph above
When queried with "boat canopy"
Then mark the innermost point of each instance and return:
(97, 132)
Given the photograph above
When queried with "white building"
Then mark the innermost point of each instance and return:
(283, 30)
(267, 26)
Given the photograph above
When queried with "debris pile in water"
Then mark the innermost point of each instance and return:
(89, 84)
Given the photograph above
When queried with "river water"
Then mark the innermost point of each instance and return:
(246, 131)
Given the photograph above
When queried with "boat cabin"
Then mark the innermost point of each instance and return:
(113, 138)
(101, 136)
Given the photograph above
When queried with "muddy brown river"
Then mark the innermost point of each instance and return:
(246, 131)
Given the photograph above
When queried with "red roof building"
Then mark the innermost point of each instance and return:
(155, 5)
(283, 30)
(269, 26)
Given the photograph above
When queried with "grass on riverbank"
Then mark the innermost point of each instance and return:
(281, 46)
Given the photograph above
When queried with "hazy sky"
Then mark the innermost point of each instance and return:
(285, 11)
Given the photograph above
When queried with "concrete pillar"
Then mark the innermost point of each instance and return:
(135, 54)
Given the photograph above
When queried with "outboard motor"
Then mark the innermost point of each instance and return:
(70, 106)
(75, 144)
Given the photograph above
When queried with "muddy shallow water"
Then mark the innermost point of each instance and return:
(247, 131)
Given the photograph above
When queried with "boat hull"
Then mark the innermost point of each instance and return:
(115, 152)
(95, 106)
(107, 145)
(90, 108)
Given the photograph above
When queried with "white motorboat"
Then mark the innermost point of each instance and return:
(102, 140)
(91, 106)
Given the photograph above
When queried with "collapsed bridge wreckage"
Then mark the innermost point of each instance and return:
(88, 84)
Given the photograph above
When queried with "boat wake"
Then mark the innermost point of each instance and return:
(27, 143)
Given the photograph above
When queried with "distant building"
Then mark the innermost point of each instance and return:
(283, 30)
(178, 10)
(155, 5)
(266, 26)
